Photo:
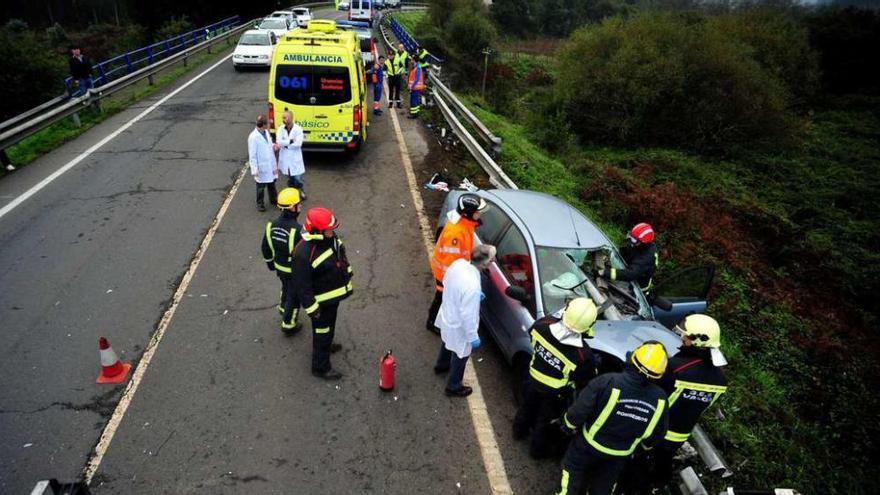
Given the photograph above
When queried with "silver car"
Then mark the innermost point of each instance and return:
(547, 252)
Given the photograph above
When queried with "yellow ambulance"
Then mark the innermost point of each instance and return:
(317, 73)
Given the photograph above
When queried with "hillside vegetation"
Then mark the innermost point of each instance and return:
(750, 139)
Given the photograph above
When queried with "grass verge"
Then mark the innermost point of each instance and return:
(46, 140)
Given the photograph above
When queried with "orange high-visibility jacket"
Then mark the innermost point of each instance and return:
(456, 241)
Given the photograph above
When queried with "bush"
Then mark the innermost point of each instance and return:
(31, 72)
(669, 79)
(466, 35)
(847, 42)
(173, 27)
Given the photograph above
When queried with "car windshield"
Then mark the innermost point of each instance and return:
(301, 11)
(562, 273)
(254, 39)
(274, 24)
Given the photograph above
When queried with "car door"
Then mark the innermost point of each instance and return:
(513, 266)
(686, 290)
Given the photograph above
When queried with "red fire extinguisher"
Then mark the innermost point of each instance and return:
(387, 367)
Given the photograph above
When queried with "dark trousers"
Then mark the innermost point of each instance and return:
(585, 469)
(273, 193)
(297, 182)
(289, 303)
(541, 406)
(649, 470)
(450, 360)
(393, 90)
(434, 309)
(323, 330)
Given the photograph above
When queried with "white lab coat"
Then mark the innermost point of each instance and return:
(264, 166)
(290, 158)
(459, 315)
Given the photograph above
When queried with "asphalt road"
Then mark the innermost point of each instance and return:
(227, 403)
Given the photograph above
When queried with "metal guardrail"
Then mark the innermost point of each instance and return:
(10, 136)
(129, 62)
(484, 133)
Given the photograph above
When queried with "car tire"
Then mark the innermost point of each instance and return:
(520, 377)
(236, 67)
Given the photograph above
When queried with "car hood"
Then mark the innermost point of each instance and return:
(620, 337)
(253, 50)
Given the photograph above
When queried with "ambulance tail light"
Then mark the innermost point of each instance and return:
(271, 116)
(356, 125)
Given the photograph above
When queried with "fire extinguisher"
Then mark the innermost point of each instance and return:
(387, 367)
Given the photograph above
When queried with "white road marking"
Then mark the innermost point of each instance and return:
(131, 388)
(492, 460)
(82, 156)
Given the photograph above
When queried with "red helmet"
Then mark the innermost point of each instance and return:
(319, 220)
(643, 233)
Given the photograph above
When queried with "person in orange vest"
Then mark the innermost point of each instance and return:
(377, 75)
(416, 85)
(456, 241)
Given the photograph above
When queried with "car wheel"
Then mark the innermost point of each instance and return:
(236, 67)
(520, 377)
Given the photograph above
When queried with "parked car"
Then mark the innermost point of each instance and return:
(254, 49)
(361, 10)
(365, 39)
(303, 16)
(286, 14)
(278, 25)
(378, 4)
(546, 253)
(392, 4)
(343, 5)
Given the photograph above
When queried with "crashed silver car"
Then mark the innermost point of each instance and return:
(547, 254)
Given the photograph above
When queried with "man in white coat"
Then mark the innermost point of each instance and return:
(264, 166)
(290, 159)
(459, 317)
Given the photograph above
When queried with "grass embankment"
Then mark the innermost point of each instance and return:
(409, 19)
(798, 393)
(65, 130)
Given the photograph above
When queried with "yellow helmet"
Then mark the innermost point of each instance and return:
(702, 330)
(650, 359)
(288, 197)
(579, 315)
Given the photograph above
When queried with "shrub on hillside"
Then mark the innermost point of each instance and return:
(465, 37)
(847, 42)
(669, 79)
(31, 72)
(173, 27)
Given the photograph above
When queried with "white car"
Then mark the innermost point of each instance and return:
(361, 10)
(287, 14)
(254, 49)
(303, 16)
(278, 25)
(343, 5)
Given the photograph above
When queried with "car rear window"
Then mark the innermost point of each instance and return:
(274, 23)
(312, 84)
(254, 39)
(300, 11)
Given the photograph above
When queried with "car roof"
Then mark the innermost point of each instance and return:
(256, 31)
(551, 221)
(282, 12)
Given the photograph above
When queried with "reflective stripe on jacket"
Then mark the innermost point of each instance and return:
(641, 262)
(279, 239)
(321, 271)
(416, 80)
(456, 241)
(619, 411)
(693, 384)
(556, 365)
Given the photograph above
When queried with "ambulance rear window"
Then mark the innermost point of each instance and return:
(312, 84)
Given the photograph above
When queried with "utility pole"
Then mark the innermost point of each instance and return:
(486, 52)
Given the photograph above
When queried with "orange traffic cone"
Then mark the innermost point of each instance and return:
(112, 369)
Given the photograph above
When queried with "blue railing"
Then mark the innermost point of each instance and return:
(108, 70)
(409, 42)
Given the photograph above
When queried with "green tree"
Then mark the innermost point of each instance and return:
(31, 72)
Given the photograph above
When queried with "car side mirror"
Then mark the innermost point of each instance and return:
(517, 293)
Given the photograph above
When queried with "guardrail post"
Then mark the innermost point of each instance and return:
(103, 74)
(167, 48)
(150, 62)
(76, 120)
(128, 64)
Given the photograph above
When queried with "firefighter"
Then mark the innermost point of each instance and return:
(322, 277)
(641, 257)
(561, 362)
(280, 237)
(612, 416)
(693, 381)
(415, 84)
(455, 241)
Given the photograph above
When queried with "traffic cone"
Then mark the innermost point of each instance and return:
(112, 369)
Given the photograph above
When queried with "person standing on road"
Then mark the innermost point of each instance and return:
(80, 71)
(377, 75)
(562, 363)
(454, 242)
(278, 242)
(459, 317)
(322, 277)
(615, 414)
(415, 84)
(694, 381)
(393, 80)
(641, 257)
(290, 158)
(264, 166)
(401, 64)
